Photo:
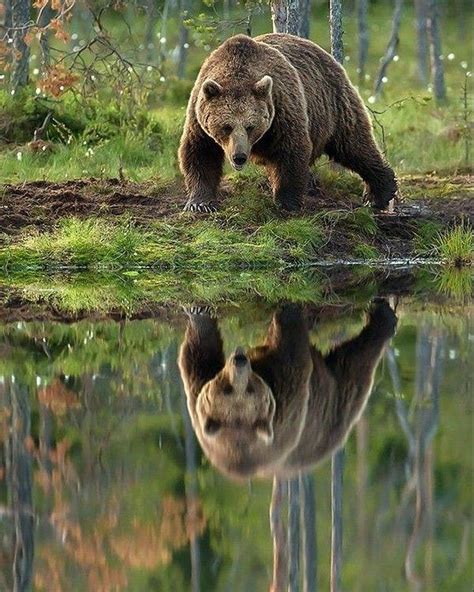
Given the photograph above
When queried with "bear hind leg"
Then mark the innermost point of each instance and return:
(360, 153)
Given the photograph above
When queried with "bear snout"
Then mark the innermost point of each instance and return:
(239, 159)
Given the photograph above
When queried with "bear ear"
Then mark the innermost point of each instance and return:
(211, 88)
(263, 88)
(264, 431)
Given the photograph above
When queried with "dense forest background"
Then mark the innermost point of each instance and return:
(91, 88)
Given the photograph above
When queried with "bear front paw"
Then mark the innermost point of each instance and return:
(203, 207)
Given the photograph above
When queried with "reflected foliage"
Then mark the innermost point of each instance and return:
(103, 485)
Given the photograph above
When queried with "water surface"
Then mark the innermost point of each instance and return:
(105, 486)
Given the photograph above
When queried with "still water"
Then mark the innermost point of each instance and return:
(200, 452)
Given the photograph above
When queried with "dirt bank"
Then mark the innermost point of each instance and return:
(41, 204)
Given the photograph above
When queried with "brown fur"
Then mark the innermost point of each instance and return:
(290, 406)
(316, 110)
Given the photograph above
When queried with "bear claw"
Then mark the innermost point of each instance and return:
(204, 207)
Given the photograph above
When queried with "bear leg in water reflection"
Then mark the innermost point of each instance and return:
(281, 407)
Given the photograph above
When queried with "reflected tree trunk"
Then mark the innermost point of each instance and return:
(294, 516)
(362, 475)
(20, 484)
(420, 433)
(46, 434)
(309, 542)
(280, 556)
(191, 483)
(337, 472)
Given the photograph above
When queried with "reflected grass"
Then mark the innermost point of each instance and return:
(129, 292)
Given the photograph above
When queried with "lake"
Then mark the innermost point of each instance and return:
(107, 483)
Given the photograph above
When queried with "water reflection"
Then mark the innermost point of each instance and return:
(282, 406)
(103, 485)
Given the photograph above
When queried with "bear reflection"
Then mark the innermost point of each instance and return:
(281, 407)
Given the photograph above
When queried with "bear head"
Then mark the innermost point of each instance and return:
(236, 117)
(234, 413)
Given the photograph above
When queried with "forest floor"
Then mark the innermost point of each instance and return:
(112, 248)
(437, 200)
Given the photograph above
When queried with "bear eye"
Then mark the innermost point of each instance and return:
(227, 390)
(249, 129)
(211, 426)
(227, 129)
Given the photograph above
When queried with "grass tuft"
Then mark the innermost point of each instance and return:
(456, 245)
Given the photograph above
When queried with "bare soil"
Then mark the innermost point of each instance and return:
(41, 204)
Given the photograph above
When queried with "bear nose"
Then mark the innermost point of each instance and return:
(240, 360)
(239, 159)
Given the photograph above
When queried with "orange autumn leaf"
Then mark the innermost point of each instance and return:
(56, 396)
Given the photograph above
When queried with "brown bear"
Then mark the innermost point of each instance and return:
(281, 407)
(281, 101)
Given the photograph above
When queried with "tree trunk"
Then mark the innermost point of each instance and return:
(305, 18)
(337, 473)
(7, 21)
(151, 20)
(291, 16)
(20, 20)
(278, 9)
(362, 6)
(392, 46)
(335, 24)
(183, 39)
(46, 16)
(434, 36)
(422, 40)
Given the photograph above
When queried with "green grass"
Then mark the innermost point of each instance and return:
(184, 245)
(454, 246)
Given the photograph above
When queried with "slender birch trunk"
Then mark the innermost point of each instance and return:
(337, 32)
(362, 7)
(434, 36)
(422, 40)
(20, 19)
(392, 46)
